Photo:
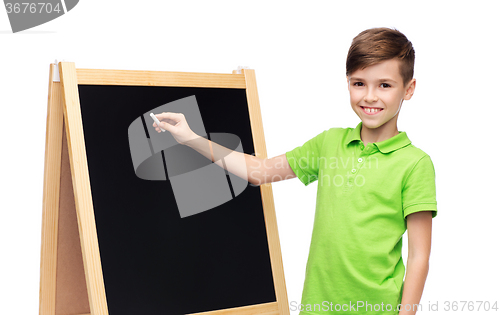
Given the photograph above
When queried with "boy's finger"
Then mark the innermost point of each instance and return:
(169, 115)
(171, 122)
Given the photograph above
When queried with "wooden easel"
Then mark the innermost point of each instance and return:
(71, 278)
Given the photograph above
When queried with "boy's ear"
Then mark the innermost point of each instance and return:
(410, 89)
(348, 86)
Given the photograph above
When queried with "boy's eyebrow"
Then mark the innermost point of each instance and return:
(380, 80)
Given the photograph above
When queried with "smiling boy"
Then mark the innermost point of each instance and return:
(382, 186)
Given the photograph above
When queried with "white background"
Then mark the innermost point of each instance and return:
(298, 51)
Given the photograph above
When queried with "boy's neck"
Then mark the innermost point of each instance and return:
(384, 132)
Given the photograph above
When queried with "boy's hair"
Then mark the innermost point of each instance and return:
(375, 45)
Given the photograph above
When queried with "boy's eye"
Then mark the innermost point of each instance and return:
(384, 85)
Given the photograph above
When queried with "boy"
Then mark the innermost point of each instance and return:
(373, 184)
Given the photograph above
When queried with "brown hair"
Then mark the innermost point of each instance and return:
(375, 45)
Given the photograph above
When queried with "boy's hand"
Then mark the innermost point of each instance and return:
(176, 124)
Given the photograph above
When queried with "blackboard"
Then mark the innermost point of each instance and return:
(153, 261)
(113, 240)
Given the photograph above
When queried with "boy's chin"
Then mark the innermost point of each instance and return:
(370, 124)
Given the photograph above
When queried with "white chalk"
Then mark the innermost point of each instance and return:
(156, 121)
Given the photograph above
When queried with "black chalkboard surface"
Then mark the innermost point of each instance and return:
(120, 234)
(153, 261)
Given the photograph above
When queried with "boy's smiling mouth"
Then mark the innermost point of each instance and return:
(371, 110)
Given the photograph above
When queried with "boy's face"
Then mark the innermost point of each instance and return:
(379, 87)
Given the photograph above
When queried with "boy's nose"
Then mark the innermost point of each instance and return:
(370, 96)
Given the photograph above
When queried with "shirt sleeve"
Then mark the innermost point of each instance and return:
(419, 190)
(304, 160)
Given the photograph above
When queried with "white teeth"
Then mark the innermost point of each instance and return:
(371, 110)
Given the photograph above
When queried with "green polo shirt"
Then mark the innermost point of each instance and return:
(364, 195)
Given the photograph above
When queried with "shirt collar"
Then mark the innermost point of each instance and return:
(386, 146)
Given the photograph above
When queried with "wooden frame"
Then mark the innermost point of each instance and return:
(71, 279)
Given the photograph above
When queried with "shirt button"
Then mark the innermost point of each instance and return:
(360, 160)
(353, 170)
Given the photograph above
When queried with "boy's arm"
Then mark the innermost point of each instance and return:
(255, 170)
(419, 226)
